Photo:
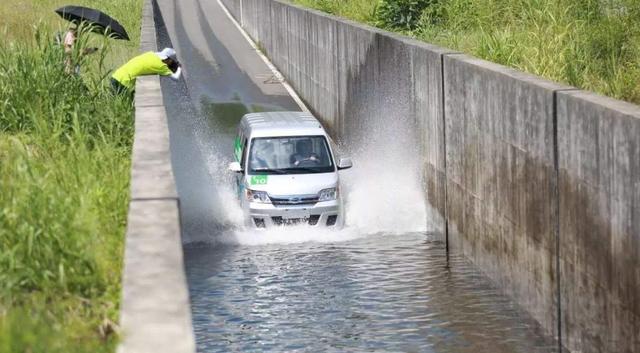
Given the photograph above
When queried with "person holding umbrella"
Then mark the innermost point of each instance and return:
(68, 42)
(97, 20)
(164, 63)
(100, 22)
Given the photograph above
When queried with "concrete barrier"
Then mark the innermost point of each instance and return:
(310, 56)
(501, 179)
(535, 182)
(235, 8)
(599, 184)
(428, 93)
(155, 315)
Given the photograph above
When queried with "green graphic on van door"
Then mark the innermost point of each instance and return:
(258, 180)
(237, 149)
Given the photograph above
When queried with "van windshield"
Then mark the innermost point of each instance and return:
(290, 155)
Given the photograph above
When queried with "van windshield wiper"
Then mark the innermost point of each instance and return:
(307, 169)
(268, 170)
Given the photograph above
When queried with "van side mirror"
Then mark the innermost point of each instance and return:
(345, 163)
(235, 167)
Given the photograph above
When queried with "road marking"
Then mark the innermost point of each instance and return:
(266, 60)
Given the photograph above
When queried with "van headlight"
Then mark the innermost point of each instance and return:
(257, 196)
(328, 194)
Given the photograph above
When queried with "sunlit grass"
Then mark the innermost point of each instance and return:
(358, 10)
(19, 17)
(65, 144)
(590, 44)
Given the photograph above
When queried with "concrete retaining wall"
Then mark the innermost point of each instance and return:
(155, 315)
(599, 180)
(501, 179)
(535, 182)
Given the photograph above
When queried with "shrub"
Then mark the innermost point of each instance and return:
(402, 14)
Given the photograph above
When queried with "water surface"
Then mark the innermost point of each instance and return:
(375, 293)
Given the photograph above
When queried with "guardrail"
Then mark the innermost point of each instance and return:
(536, 182)
(155, 314)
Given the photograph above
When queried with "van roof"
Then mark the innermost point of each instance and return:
(268, 124)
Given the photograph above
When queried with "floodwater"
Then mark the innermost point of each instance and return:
(383, 283)
(379, 292)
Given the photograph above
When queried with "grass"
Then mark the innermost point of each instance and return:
(591, 44)
(65, 145)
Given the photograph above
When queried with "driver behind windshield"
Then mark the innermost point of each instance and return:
(282, 155)
(304, 154)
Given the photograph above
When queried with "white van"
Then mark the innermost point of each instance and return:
(286, 172)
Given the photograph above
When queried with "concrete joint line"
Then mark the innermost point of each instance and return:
(142, 199)
(444, 143)
(149, 106)
(557, 211)
(444, 149)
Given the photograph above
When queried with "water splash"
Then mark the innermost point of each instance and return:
(384, 188)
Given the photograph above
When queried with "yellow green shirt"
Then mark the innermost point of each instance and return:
(144, 64)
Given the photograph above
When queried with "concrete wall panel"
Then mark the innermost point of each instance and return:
(264, 31)
(394, 103)
(429, 114)
(501, 178)
(292, 66)
(250, 23)
(278, 45)
(599, 169)
(357, 68)
(312, 59)
(234, 7)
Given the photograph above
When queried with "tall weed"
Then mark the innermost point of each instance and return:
(65, 144)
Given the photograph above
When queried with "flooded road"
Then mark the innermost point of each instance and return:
(381, 284)
(390, 293)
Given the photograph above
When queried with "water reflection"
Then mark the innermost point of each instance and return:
(375, 293)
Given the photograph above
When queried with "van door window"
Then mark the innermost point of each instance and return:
(237, 147)
(243, 154)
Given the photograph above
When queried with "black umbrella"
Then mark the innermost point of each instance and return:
(100, 20)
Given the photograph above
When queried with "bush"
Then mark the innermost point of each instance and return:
(402, 14)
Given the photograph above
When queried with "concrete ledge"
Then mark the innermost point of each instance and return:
(148, 30)
(155, 314)
(152, 96)
(151, 170)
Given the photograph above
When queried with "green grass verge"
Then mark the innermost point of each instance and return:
(590, 44)
(65, 146)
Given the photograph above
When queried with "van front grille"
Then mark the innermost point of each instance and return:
(294, 200)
